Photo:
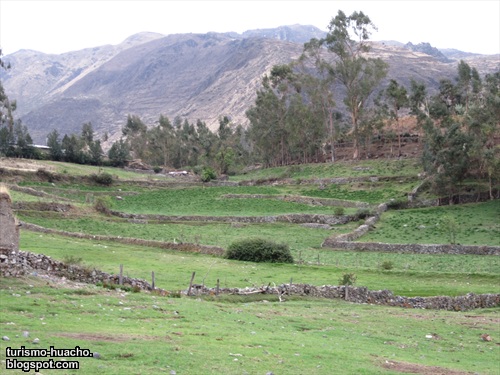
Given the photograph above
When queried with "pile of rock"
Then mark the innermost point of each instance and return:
(16, 264)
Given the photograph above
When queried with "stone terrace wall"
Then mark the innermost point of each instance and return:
(292, 218)
(301, 199)
(364, 295)
(412, 248)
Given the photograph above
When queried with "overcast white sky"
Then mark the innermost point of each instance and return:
(66, 25)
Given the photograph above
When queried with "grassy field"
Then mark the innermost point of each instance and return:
(411, 275)
(208, 201)
(474, 224)
(255, 334)
(363, 168)
(145, 334)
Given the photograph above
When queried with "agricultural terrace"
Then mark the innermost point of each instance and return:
(257, 333)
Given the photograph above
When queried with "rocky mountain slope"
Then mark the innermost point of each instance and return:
(195, 76)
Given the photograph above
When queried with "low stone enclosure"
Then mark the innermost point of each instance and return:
(22, 263)
(345, 242)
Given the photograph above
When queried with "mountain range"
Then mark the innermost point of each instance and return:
(194, 76)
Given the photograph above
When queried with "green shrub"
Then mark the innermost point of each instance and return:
(259, 250)
(72, 260)
(397, 204)
(347, 279)
(45, 175)
(103, 204)
(339, 211)
(102, 178)
(362, 213)
(208, 174)
(157, 169)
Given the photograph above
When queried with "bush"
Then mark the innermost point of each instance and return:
(347, 279)
(72, 260)
(397, 204)
(103, 204)
(259, 250)
(45, 175)
(102, 179)
(363, 213)
(157, 169)
(339, 211)
(208, 174)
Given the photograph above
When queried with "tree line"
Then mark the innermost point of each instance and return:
(296, 118)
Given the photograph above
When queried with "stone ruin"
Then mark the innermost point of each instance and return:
(9, 226)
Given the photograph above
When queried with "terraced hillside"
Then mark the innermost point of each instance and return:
(178, 227)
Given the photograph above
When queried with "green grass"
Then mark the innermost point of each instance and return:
(146, 334)
(370, 192)
(363, 168)
(477, 224)
(411, 276)
(219, 234)
(208, 201)
(152, 334)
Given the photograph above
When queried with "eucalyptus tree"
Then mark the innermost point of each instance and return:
(320, 86)
(268, 128)
(347, 40)
(397, 98)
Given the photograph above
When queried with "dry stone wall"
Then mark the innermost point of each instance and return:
(21, 263)
(363, 295)
(292, 218)
(16, 264)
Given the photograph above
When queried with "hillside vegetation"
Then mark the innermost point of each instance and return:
(250, 334)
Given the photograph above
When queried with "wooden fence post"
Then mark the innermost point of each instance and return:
(120, 278)
(217, 289)
(191, 284)
(153, 280)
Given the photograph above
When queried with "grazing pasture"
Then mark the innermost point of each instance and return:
(256, 334)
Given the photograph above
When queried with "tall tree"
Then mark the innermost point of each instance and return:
(397, 98)
(320, 87)
(347, 39)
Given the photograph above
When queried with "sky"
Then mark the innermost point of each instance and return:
(67, 25)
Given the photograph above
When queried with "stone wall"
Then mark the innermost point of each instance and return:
(412, 248)
(292, 218)
(345, 242)
(16, 264)
(364, 295)
(9, 227)
(300, 199)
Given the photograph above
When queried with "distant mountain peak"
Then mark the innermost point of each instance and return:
(428, 50)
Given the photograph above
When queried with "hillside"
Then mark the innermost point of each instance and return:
(195, 76)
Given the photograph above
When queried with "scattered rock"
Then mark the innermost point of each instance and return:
(26, 334)
(5, 338)
(36, 341)
(486, 337)
(96, 355)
